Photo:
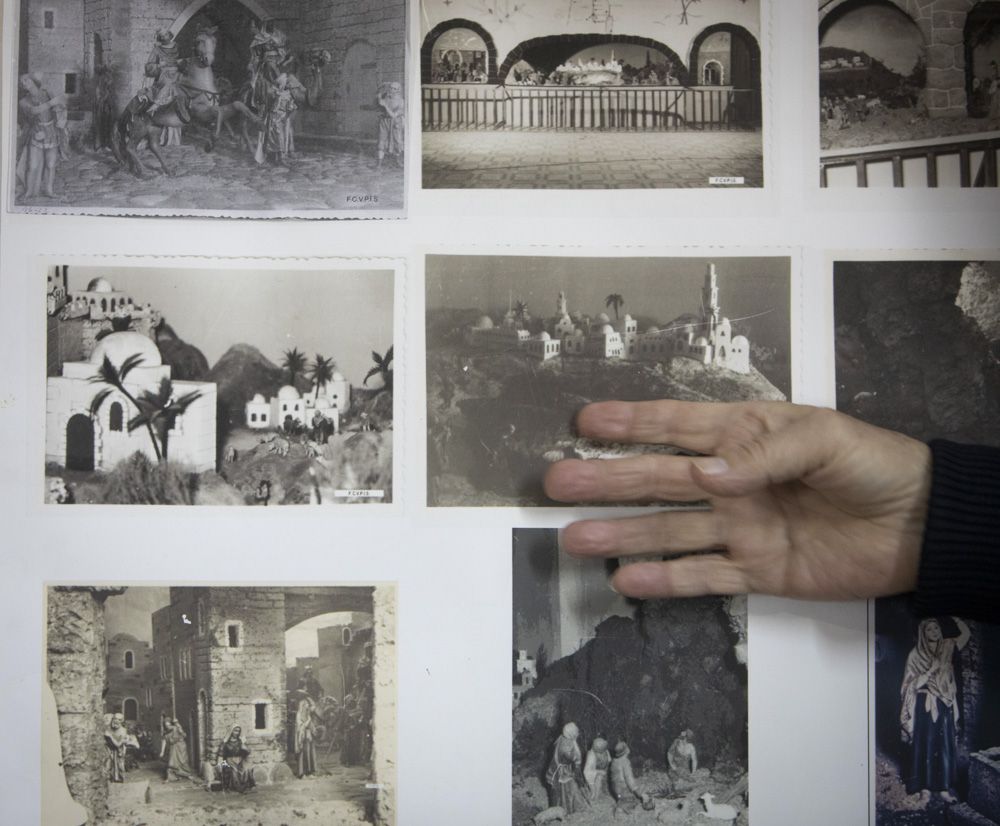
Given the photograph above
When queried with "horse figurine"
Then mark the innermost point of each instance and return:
(198, 100)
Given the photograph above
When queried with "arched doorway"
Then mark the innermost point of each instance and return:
(734, 50)
(713, 74)
(130, 710)
(545, 54)
(468, 34)
(982, 58)
(80, 443)
(459, 56)
(328, 658)
(871, 48)
(234, 22)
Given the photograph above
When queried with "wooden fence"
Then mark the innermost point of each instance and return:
(468, 106)
(965, 162)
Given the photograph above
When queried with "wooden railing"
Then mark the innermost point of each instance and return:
(466, 106)
(966, 162)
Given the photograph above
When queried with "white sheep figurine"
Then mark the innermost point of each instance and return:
(717, 811)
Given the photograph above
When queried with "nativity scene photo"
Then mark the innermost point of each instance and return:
(170, 705)
(179, 386)
(219, 107)
(644, 94)
(623, 711)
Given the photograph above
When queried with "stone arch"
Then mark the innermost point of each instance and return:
(195, 6)
(80, 443)
(427, 49)
(573, 43)
(827, 9)
(718, 73)
(983, 18)
(750, 51)
(130, 709)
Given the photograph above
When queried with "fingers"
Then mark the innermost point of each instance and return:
(694, 426)
(669, 532)
(691, 576)
(688, 425)
(636, 479)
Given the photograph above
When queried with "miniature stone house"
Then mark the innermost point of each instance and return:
(79, 440)
(128, 660)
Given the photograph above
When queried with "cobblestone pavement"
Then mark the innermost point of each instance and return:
(227, 180)
(588, 160)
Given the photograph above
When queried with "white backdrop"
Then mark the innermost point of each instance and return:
(808, 679)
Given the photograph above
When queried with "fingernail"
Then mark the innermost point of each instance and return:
(711, 465)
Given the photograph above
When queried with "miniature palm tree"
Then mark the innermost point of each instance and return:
(321, 371)
(115, 377)
(160, 410)
(383, 368)
(294, 362)
(157, 412)
(615, 300)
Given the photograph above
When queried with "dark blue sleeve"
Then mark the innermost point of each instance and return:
(960, 562)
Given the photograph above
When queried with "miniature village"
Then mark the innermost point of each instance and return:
(502, 390)
(134, 415)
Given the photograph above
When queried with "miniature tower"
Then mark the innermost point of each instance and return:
(561, 305)
(710, 301)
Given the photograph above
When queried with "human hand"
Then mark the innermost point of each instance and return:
(805, 502)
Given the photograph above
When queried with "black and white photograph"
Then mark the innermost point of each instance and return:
(518, 344)
(623, 711)
(269, 705)
(918, 351)
(591, 94)
(187, 385)
(909, 93)
(259, 108)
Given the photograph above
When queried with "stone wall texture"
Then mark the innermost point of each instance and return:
(77, 674)
(384, 722)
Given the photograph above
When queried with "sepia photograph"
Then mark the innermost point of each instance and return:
(909, 93)
(591, 94)
(180, 385)
(262, 108)
(918, 351)
(623, 710)
(517, 345)
(224, 704)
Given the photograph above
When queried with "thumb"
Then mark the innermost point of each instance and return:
(752, 460)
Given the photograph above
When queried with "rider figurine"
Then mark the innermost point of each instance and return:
(163, 69)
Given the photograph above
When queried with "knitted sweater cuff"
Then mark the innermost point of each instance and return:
(960, 562)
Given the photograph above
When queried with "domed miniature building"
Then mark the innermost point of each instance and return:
(99, 285)
(653, 329)
(337, 376)
(484, 323)
(258, 398)
(120, 346)
(543, 336)
(288, 393)
(607, 330)
(603, 318)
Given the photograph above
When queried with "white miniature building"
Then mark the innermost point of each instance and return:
(543, 347)
(526, 675)
(332, 400)
(484, 333)
(79, 441)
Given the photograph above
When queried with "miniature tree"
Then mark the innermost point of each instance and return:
(157, 411)
(294, 362)
(616, 301)
(321, 371)
(383, 368)
(521, 313)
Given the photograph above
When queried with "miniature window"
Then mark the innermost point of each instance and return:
(117, 416)
(260, 716)
(253, 417)
(263, 417)
(199, 617)
(129, 660)
(234, 635)
(130, 710)
(149, 698)
(347, 636)
(49, 19)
